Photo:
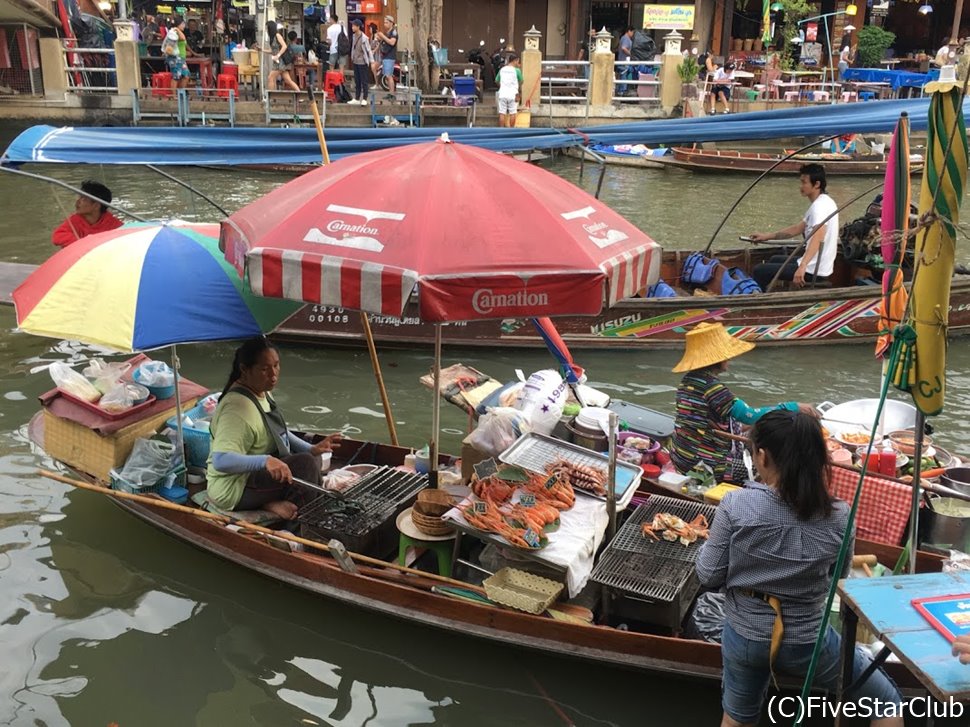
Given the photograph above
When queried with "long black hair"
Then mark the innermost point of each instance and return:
(247, 356)
(797, 448)
(271, 30)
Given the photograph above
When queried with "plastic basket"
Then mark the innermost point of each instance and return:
(198, 442)
(117, 483)
(522, 591)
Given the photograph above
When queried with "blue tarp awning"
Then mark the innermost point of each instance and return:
(235, 146)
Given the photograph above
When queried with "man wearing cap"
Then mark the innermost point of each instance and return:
(388, 38)
(705, 406)
(90, 216)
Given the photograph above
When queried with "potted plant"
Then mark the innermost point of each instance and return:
(688, 71)
(873, 44)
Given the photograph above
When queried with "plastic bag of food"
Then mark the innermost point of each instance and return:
(156, 373)
(98, 369)
(149, 461)
(117, 399)
(497, 430)
(70, 381)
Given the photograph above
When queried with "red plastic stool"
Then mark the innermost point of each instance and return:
(162, 85)
(330, 83)
(230, 69)
(224, 82)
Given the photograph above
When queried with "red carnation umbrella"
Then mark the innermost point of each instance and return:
(474, 233)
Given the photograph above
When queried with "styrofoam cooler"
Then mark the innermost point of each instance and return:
(647, 91)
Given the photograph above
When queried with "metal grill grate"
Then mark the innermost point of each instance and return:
(642, 575)
(631, 538)
(365, 505)
(639, 565)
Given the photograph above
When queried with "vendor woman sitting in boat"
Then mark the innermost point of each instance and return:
(705, 406)
(254, 456)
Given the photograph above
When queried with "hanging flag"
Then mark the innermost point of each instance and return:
(766, 21)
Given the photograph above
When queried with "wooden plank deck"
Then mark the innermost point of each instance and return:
(12, 275)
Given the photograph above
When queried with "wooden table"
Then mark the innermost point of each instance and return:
(883, 605)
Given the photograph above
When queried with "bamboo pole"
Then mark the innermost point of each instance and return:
(364, 320)
(224, 520)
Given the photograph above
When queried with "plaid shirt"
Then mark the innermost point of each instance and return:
(757, 543)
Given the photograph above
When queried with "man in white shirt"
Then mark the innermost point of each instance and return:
(819, 228)
(337, 61)
(509, 80)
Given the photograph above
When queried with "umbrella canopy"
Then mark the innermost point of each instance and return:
(144, 286)
(944, 179)
(475, 233)
(894, 227)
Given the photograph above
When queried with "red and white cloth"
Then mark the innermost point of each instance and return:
(884, 505)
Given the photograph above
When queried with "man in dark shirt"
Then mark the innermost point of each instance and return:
(388, 40)
(194, 38)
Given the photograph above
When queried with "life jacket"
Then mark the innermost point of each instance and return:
(698, 270)
(737, 282)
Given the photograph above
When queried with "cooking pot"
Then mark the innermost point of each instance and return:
(957, 478)
(860, 414)
(944, 530)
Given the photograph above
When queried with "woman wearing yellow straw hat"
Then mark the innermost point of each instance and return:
(704, 405)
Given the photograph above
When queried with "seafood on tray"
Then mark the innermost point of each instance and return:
(585, 477)
(515, 527)
(546, 489)
(672, 528)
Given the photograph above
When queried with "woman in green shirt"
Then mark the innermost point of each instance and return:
(254, 456)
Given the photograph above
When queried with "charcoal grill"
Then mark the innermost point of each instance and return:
(649, 581)
(362, 518)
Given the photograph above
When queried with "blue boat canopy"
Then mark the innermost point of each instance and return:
(236, 146)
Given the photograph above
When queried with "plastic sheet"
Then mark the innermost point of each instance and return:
(149, 461)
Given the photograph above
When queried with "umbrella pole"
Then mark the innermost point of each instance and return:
(917, 490)
(180, 438)
(436, 406)
(611, 479)
(379, 375)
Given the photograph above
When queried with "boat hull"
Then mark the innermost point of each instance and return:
(731, 161)
(805, 317)
(669, 655)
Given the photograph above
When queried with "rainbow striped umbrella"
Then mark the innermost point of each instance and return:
(144, 286)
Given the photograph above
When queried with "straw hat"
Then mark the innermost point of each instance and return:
(708, 344)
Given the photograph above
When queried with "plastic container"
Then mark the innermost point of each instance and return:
(176, 493)
(715, 494)
(159, 392)
(651, 471)
(646, 455)
(465, 86)
(587, 431)
(522, 591)
(325, 461)
(887, 461)
(198, 440)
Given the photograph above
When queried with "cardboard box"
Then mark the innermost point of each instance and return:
(469, 458)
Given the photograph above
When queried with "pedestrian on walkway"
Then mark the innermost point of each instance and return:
(361, 59)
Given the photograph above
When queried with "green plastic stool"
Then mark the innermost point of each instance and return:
(751, 94)
(410, 537)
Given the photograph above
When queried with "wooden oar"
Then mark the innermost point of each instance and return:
(222, 519)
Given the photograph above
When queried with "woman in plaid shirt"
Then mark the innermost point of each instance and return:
(773, 548)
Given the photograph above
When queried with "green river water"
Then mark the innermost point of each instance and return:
(103, 619)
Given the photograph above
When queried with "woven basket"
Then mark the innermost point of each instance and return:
(429, 524)
(435, 502)
(522, 591)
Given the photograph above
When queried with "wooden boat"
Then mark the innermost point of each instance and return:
(408, 599)
(749, 162)
(842, 313)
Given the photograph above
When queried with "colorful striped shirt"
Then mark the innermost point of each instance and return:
(704, 405)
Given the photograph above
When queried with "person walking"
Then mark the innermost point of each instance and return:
(173, 48)
(338, 60)
(361, 59)
(624, 52)
(282, 57)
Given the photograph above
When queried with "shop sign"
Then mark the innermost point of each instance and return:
(668, 17)
(811, 32)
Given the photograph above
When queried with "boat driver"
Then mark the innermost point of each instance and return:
(819, 228)
(90, 215)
